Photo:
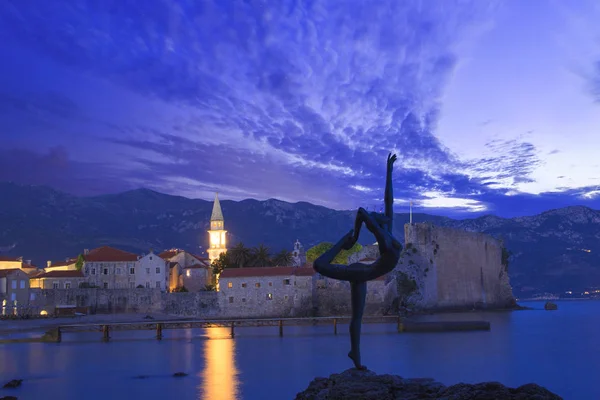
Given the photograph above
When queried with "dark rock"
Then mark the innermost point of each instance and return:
(179, 374)
(550, 306)
(9, 398)
(15, 383)
(356, 384)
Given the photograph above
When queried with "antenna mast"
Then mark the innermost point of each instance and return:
(410, 213)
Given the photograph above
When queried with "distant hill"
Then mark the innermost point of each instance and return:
(554, 251)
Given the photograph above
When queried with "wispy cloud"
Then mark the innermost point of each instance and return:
(295, 100)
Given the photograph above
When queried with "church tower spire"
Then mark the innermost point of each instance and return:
(217, 232)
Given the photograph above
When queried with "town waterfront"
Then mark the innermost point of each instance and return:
(556, 349)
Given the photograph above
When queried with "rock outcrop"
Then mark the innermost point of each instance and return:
(355, 384)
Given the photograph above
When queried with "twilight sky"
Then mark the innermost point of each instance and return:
(492, 107)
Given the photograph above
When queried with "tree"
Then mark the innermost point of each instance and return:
(221, 263)
(283, 258)
(79, 263)
(240, 255)
(342, 258)
(261, 256)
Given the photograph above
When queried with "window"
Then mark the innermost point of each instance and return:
(269, 296)
(286, 281)
(55, 285)
(131, 285)
(158, 284)
(270, 283)
(231, 299)
(22, 285)
(285, 297)
(105, 285)
(229, 285)
(244, 284)
(150, 258)
(148, 270)
(118, 271)
(257, 284)
(13, 284)
(87, 270)
(131, 271)
(157, 270)
(147, 285)
(31, 296)
(105, 271)
(188, 273)
(243, 300)
(13, 297)
(93, 271)
(67, 285)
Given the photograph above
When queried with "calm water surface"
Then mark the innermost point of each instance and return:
(559, 350)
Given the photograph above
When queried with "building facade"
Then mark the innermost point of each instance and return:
(151, 272)
(110, 268)
(18, 262)
(58, 279)
(266, 291)
(14, 290)
(193, 271)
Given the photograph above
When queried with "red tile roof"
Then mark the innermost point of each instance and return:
(11, 259)
(266, 271)
(60, 274)
(109, 254)
(169, 254)
(6, 272)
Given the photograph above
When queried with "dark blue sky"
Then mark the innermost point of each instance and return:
(492, 107)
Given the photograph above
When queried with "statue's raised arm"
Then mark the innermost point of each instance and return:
(389, 192)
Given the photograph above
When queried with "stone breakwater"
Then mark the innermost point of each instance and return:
(354, 384)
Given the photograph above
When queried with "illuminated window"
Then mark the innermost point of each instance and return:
(269, 296)
(187, 273)
(257, 284)
(229, 285)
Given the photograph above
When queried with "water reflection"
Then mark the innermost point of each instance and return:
(220, 374)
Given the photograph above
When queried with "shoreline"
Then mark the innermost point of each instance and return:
(16, 326)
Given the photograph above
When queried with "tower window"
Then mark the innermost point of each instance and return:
(229, 285)
(269, 296)
(257, 284)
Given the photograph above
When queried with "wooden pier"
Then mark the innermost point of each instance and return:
(55, 334)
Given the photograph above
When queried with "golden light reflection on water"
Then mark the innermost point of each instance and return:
(220, 375)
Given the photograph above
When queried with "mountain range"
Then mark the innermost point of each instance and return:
(554, 251)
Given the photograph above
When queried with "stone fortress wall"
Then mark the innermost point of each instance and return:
(454, 269)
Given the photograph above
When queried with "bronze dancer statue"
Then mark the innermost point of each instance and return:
(358, 274)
